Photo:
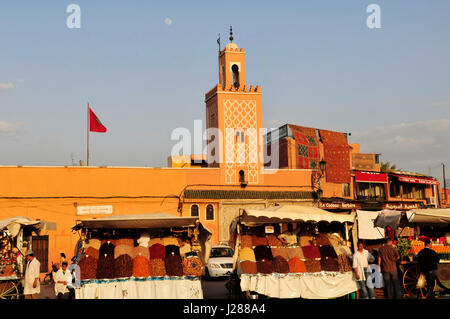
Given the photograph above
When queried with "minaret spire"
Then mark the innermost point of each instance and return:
(231, 34)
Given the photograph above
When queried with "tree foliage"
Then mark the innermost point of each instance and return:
(387, 167)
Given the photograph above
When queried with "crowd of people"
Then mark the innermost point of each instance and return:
(66, 279)
(387, 260)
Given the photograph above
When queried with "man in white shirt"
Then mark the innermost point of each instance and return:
(32, 286)
(290, 236)
(361, 259)
(75, 283)
(62, 279)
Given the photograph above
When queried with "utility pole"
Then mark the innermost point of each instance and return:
(445, 182)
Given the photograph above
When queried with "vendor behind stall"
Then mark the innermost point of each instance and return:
(290, 236)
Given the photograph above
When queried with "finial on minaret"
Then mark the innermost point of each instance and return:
(231, 34)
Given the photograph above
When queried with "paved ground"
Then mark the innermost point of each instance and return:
(215, 289)
(212, 289)
(47, 291)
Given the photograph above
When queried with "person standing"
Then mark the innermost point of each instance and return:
(428, 264)
(74, 270)
(361, 259)
(387, 261)
(32, 287)
(62, 279)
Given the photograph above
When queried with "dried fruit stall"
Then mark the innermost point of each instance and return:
(153, 256)
(293, 252)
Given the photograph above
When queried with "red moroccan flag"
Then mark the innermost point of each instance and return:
(94, 123)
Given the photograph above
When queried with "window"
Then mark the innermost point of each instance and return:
(240, 136)
(221, 252)
(408, 191)
(419, 191)
(235, 70)
(346, 190)
(394, 189)
(377, 158)
(241, 176)
(371, 191)
(194, 210)
(210, 212)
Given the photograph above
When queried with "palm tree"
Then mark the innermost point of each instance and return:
(387, 167)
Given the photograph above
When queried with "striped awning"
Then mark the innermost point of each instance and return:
(292, 214)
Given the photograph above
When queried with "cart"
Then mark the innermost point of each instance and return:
(290, 283)
(413, 284)
(13, 231)
(155, 286)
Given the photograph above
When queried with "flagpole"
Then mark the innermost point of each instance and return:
(88, 126)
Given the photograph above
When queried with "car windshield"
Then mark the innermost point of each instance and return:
(221, 252)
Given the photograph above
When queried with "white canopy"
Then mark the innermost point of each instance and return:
(430, 216)
(14, 224)
(155, 220)
(147, 221)
(293, 213)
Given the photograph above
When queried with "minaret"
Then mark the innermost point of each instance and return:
(235, 110)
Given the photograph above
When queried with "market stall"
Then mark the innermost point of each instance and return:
(428, 224)
(15, 235)
(293, 252)
(152, 256)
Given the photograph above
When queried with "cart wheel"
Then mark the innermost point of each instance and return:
(410, 279)
(9, 290)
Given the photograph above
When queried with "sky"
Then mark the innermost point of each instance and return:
(144, 67)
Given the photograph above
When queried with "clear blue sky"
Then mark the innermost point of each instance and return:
(317, 62)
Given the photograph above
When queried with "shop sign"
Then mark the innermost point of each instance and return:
(269, 229)
(401, 206)
(371, 177)
(95, 210)
(416, 180)
(323, 205)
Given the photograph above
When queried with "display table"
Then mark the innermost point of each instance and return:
(321, 285)
(141, 288)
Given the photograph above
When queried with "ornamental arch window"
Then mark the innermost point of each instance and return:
(195, 211)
